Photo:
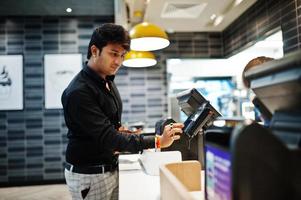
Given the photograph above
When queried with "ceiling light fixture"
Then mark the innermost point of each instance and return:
(218, 20)
(237, 2)
(139, 59)
(212, 17)
(148, 37)
(68, 10)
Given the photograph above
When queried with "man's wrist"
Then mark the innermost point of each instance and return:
(157, 143)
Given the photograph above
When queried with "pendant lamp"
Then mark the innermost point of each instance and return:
(139, 59)
(148, 37)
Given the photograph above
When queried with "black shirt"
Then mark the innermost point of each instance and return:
(92, 115)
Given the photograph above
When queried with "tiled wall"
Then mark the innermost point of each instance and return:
(258, 22)
(32, 141)
(143, 94)
(195, 45)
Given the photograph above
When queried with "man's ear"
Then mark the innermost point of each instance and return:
(94, 50)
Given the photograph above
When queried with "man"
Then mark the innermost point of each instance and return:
(252, 64)
(92, 110)
(261, 112)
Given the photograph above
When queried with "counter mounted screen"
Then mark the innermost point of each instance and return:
(200, 112)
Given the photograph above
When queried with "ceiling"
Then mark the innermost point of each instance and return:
(172, 15)
(56, 7)
(188, 15)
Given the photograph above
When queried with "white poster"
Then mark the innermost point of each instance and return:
(11, 82)
(59, 71)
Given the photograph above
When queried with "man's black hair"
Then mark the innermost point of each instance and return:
(109, 33)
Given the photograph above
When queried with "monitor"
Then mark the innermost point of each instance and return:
(190, 100)
(218, 173)
(200, 112)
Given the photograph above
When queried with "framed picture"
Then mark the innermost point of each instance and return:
(11, 82)
(59, 71)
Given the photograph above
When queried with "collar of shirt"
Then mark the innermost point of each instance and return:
(91, 73)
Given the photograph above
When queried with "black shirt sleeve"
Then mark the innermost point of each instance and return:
(87, 119)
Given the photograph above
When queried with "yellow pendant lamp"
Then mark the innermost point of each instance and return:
(139, 59)
(148, 37)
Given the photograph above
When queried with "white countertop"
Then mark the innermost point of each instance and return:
(134, 183)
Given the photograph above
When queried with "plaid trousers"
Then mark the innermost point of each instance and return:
(93, 186)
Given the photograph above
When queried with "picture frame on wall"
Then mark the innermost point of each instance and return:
(59, 70)
(11, 82)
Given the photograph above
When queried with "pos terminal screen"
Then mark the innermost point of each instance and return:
(218, 173)
(194, 122)
(200, 112)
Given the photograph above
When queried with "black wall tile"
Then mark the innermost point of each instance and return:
(263, 17)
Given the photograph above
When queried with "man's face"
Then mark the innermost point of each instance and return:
(110, 59)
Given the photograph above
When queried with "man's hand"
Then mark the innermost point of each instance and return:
(123, 129)
(171, 132)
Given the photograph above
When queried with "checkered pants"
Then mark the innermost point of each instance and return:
(93, 186)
